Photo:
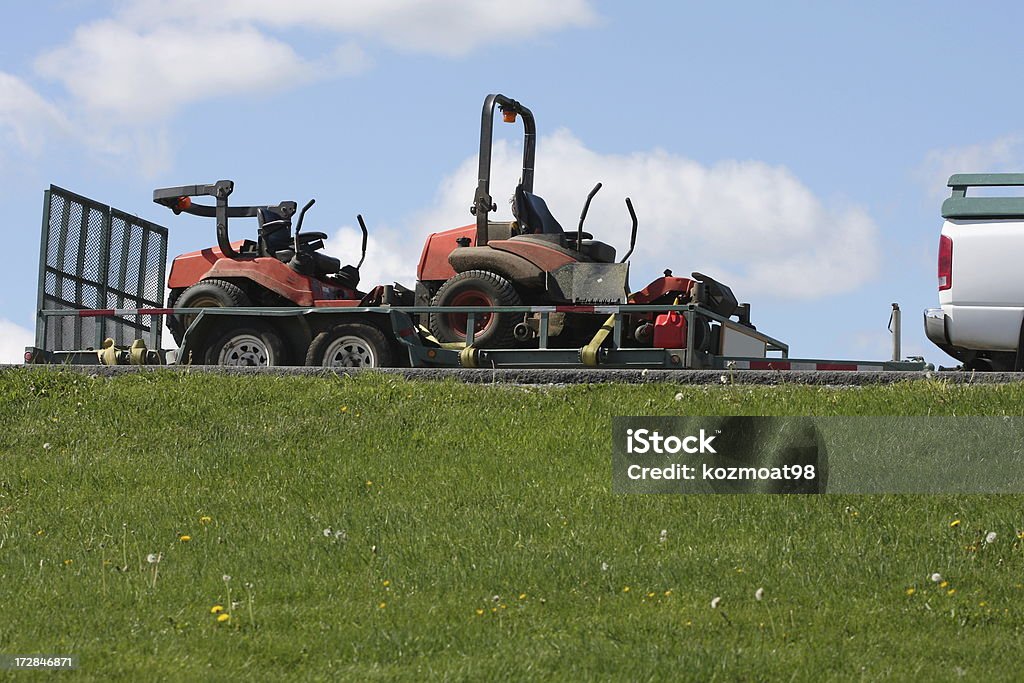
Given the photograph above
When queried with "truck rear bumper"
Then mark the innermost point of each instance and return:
(936, 327)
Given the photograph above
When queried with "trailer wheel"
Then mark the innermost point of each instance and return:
(476, 288)
(253, 344)
(352, 345)
(203, 294)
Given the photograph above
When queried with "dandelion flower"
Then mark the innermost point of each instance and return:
(759, 594)
(951, 591)
(943, 584)
(184, 538)
(625, 589)
(225, 578)
(990, 537)
(67, 562)
(327, 532)
(522, 596)
(382, 605)
(205, 519)
(955, 523)
(223, 617)
(715, 601)
(386, 583)
(47, 446)
(651, 594)
(910, 591)
(344, 409)
(936, 577)
(152, 558)
(479, 612)
(369, 483)
(216, 609)
(668, 593)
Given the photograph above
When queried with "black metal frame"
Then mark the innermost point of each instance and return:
(483, 203)
(172, 198)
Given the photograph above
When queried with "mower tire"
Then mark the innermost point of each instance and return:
(351, 345)
(252, 344)
(203, 294)
(476, 288)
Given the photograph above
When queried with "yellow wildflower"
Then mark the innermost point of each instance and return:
(205, 519)
(184, 538)
(955, 523)
(911, 591)
(223, 617)
(216, 609)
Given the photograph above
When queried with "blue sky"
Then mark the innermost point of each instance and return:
(796, 150)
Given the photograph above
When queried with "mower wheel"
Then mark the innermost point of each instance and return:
(352, 345)
(476, 288)
(254, 343)
(203, 294)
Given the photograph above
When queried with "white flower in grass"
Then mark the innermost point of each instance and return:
(604, 566)
(679, 396)
(46, 446)
(759, 594)
(723, 379)
(327, 532)
(990, 537)
(226, 578)
(936, 577)
(341, 535)
(663, 536)
(153, 558)
(715, 601)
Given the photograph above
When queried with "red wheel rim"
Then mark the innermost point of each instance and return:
(458, 322)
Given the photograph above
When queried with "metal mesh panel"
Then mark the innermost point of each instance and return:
(95, 257)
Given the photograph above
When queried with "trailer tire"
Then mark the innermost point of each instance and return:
(204, 294)
(350, 345)
(254, 343)
(476, 288)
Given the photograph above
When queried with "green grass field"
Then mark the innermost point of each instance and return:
(378, 528)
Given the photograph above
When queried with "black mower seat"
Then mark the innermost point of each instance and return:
(533, 214)
(599, 251)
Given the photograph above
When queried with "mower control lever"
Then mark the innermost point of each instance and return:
(362, 226)
(583, 217)
(298, 227)
(632, 237)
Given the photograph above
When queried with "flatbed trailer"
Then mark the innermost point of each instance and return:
(101, 288)
(417, 349)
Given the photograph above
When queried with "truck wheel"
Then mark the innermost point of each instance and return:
(203, 294)
(253, 344)
(352, 345)
(476, 288)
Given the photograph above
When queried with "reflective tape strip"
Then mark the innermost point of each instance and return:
(108, 312)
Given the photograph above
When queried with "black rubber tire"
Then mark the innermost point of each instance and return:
(489, 289)
(203, 294)
(252, 343)
(350, 345)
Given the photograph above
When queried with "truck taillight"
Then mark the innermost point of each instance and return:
(945, 262)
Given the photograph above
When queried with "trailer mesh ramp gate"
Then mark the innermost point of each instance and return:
(94, 256)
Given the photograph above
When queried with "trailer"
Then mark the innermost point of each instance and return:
(101, 284)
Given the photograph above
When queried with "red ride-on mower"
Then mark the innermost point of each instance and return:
(277, 269)
(534, 261)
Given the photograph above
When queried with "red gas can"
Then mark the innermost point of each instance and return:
(670, 331)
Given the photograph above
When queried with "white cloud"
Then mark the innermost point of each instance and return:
(13, 340)
(27, 121)
(441, 27)
(134, 69)
(755, 227)
(1003, 154)
(136, 75)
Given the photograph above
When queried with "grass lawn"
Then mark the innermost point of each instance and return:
(377, 528)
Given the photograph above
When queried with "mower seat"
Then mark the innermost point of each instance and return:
(600, 252)
(275, 231)
(533, 214)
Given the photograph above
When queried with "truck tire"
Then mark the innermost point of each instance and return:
(350, 345)
(252, 343)
(203, 294)
(476, 288)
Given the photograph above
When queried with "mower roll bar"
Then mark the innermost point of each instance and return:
(483, 203)
(178, 200)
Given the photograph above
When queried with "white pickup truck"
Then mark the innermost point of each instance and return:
(981, 274)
